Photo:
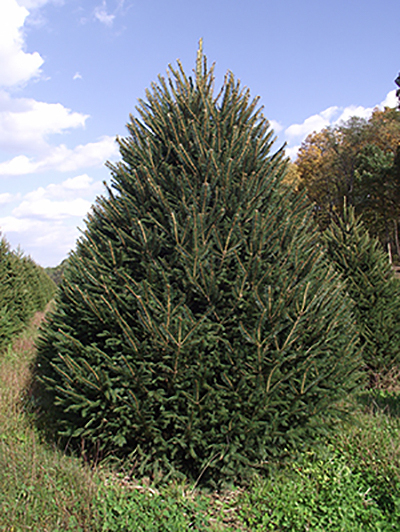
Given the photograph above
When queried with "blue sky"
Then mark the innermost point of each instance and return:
(71, 71)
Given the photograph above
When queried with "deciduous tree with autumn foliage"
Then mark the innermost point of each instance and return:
(358, 160)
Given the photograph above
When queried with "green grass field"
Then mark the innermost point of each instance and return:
(349, 482)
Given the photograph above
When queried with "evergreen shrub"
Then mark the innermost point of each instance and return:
(24, 289)
(198, 327)
(372, 286)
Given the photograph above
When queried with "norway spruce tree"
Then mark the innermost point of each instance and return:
(25, 288)
(198, 327)
(372, 286)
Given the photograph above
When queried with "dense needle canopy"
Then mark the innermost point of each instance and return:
(199, 328)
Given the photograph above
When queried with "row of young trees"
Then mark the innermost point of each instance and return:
(203, 323)
(24, 289)
(56, 272)
(372, 287)
(358, 161)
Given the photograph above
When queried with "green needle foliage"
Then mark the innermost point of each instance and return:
(25, 289)
(372, 286)
(198, 328)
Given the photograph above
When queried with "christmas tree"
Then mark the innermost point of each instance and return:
(371, 284)
(199, 328)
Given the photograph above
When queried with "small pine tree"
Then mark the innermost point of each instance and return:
(198, 326)
(372, 286)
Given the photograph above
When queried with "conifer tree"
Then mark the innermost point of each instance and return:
(372, 286)
(198, 327)
(24, 289)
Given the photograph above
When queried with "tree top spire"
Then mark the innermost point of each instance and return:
(199, 60)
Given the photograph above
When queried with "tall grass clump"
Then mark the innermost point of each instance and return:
(198, 329)
(41, 488)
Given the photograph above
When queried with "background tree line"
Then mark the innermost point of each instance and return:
(358, 163)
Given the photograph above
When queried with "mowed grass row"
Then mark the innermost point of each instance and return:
(41, 489)
(349, 482)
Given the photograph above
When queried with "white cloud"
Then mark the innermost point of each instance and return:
(63, 159)
(353, 110)
(20, 165)
(25, 124)
(100, 13)
(70, 189)
(16, 65)
(311, 124)
(33, 4)
(77, 76)
(276, 126)
(6, 197)
(54, 210)
(390, 100)
(44, 223)
(291, 151)
(80, 182)
(47, 241)
(297, 133)
(84, 156)
(11, 224)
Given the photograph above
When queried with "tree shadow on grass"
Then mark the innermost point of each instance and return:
(381, 401)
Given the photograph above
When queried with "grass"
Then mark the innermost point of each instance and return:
(42, 489)
(349, 482)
